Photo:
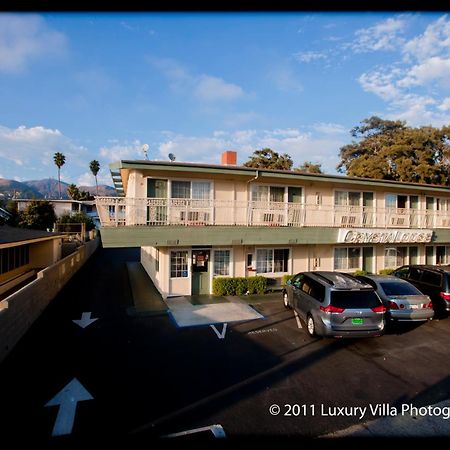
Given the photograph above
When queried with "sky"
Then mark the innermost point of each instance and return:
(101, 85)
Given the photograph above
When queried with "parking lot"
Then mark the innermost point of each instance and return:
(148, 378)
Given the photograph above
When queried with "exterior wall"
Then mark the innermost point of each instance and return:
(20, 310)
(159, 277)
(45, 253)
(239, 257)
(4, 277)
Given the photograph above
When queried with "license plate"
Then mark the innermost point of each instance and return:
(414, 306)
(357, 321)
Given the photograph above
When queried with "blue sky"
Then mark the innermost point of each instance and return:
(99, 86)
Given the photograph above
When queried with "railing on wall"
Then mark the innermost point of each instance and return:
(115, 211)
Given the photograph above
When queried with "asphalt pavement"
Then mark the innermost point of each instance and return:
(138, 379)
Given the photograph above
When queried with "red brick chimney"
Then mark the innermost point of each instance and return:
(229, 158)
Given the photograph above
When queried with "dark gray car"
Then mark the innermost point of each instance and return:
(402, 300)
(335, 304)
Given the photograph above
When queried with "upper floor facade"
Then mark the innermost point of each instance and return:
(166, 194)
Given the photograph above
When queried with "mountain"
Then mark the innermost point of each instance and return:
(46, 188)
(12, 188)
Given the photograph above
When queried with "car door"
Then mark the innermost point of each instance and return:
(295, 291)
(309, 291)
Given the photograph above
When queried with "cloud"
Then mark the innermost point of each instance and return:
(382, 36)
(285, 79)
(206, 88)
(330, 128)
(87, 179)
(445, 104)
(125, 150)
(24, 38)
(435, 69)
(299, 144)
(307, 57)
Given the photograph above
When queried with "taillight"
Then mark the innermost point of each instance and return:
(332, 309)
(445, 296)
(430, 305)
(379, 309)
(393, 305)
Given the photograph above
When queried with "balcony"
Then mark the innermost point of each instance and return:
(119, 211)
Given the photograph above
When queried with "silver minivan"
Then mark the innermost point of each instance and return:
(335, 304)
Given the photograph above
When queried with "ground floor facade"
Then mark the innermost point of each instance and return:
(190, 270)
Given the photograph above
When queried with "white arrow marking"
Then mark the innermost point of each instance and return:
(67, 399)
(297, 319)
(85, 320)
(224, 330)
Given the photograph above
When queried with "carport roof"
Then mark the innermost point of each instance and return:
(10, 235)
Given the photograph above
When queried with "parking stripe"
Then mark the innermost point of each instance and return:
(297, 319)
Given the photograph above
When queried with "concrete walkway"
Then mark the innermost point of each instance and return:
(426, 421)
(187, 315)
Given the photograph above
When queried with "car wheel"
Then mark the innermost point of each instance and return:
(311, 326)
(286, 301)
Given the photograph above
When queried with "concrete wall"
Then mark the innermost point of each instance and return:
(20, 310)
(160, 278)
(45, 253)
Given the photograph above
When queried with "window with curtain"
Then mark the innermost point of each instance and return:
(269, 260)
(346, 258)
(181, 189)
(222, 262)
(201, 190)
(178, 264)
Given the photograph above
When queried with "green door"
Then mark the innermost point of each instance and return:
(157, 213)
(200, 272)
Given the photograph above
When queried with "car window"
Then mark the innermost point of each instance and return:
(355, 299)
(403, 272)
(432, 278)
(296, 281)
(367, 281)
(313, 288)
(414, 274)
(397, 288)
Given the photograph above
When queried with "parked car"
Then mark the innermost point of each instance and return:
(433, 281)
(403, 301)
(335, 304)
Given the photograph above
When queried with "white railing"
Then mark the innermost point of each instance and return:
(120, 211)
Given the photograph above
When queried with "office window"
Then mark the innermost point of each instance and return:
(222, 262)
(178, 264)
(347, 258)
(270, 260)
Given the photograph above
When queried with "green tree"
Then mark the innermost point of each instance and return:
(269, 159)
(391, 150)
(59, 160)
(309, 167)
(94, 165)
(79, 217)
(73, 191)
(39, 215)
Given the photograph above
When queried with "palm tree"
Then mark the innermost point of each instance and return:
(59, 160)
(94, 165)
(73, 191)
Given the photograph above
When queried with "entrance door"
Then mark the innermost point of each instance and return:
(200, 272)
(157, 212)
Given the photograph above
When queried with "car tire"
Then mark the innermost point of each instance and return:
(311, 326)
(286, 301)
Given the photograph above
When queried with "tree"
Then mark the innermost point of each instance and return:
(269, 159)
(73, 191)
(78, 217)
(59, 160)
(391, 150)
(94, 165)
(39, 215)
(309, 167)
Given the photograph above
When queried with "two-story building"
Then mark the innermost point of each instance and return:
(194, 222)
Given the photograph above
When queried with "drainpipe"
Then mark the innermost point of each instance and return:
(254, 178)
(249, 203)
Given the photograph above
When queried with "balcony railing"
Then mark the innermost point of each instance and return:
(118, 211)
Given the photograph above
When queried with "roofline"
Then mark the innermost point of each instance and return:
(30, 241)
(240, 170)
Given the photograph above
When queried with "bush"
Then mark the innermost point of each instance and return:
(241, 285)
(285, 279)
(79, 217)
(257, 285)
(359, 272)
(386, 271)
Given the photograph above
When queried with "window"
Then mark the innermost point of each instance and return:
(222, 262)
(442, 254)
(197, 190)
(14, 257)
(270, 260)
(346, 258)
(395, 257)
(181, 189)
(200, 190)
(398, 201)
(313, 288)
(350, 198)
(432, 278)
(178, 264)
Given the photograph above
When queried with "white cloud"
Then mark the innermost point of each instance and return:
(24, 38)
(380, 83)
(307, 57)
(435, 69)
(330, 128)
(87, 179)
(382, 36)
(445, 104)
(212, 88)
(301, 146)
(285, 79)
(433, 41)
(202, 86)
(125, 150)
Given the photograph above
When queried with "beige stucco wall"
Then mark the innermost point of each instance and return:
(45, 253)
(20, 310)
(160, 278)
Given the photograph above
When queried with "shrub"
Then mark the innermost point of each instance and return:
(359, 272)
(78, 217)
(241, 285)
(230, 286)
(388, 271)
(285, 279)
(257, 285)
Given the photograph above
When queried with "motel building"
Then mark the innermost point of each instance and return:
(195, 222)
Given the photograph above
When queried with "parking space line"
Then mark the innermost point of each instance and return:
(297, 319)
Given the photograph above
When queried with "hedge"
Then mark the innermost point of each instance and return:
(359, 272)
(386, 271)
(239, 285)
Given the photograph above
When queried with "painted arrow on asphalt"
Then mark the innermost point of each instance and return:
(224, 330)
(85, 320)
(67, 399)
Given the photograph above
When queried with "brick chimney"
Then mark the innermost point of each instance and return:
(229, 158)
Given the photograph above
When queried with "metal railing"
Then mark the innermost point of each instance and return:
(120, 211)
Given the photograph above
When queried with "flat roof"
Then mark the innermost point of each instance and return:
(10, 235)
(116, 167)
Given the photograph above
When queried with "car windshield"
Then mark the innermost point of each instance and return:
(355, 299)
(394, 288)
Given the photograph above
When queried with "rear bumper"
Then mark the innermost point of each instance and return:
(330, 331)
(411, 315)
